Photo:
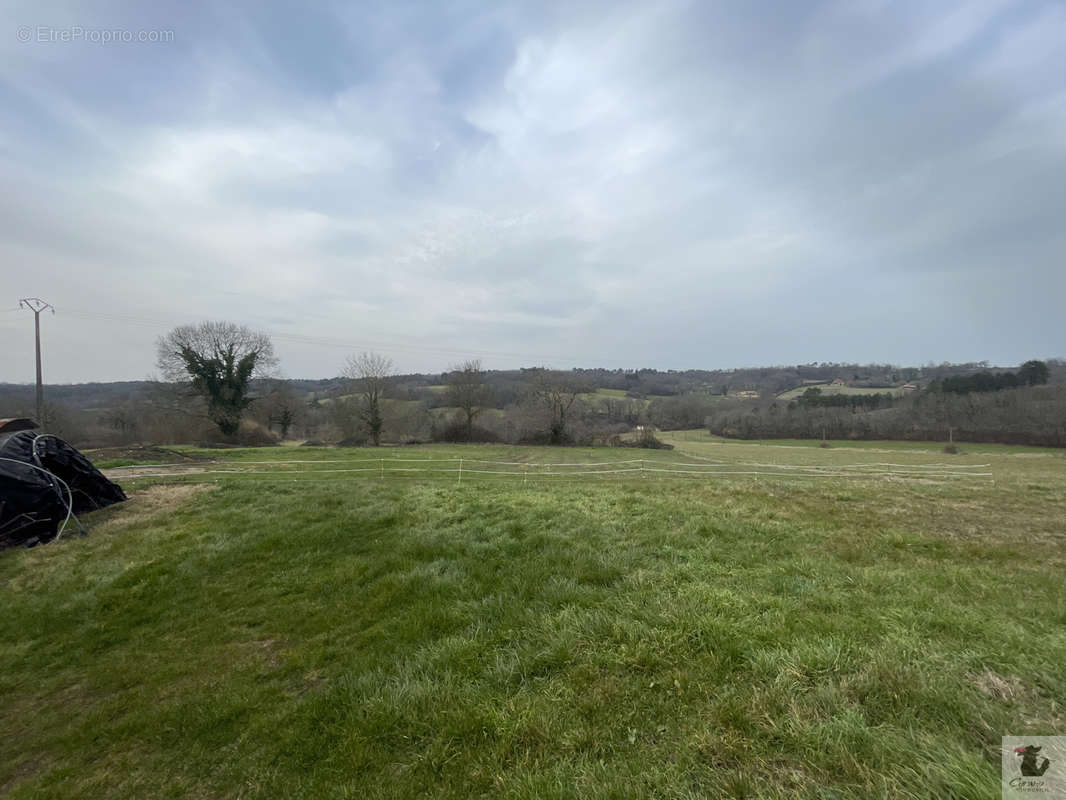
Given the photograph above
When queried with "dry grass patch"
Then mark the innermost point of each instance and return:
(998, 687)
(145, 505)
(262, 652)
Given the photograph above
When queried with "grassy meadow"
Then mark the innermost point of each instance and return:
(865, 623)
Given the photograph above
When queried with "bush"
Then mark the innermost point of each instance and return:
(353, 441)
(653, 444)
(456, 431)
(249, 434)
(252, 434)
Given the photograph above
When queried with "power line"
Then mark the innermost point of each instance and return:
(157, 324)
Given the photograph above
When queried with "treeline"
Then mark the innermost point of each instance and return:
(813, 398)
(507, 385)
(1033, 415)
(229, 393)
(1032, 373)
(548, 407)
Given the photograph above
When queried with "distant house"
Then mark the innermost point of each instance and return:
(909, 387)
(838, 382)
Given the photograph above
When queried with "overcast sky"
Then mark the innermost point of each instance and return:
(668, 184)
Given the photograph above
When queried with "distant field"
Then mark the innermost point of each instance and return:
(827, 389)
(772, 620)
(701, 436)
(601, 396)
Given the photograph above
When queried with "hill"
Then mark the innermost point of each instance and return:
(607, 403)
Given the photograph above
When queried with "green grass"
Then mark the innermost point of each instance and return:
(602, 396)
(658, 636)
(693, 439)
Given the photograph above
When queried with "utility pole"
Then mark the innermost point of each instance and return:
(36, 305)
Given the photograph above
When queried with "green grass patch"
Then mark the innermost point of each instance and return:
(701, 436)
(657, 636)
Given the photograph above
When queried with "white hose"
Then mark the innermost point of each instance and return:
(63, 483)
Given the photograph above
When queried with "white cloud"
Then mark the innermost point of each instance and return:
(625, 182)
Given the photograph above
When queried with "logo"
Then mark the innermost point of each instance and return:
(1028, 754)
(1033, 766)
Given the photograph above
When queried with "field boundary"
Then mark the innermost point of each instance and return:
(460, 466)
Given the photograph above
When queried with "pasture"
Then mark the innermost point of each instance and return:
(726, 619)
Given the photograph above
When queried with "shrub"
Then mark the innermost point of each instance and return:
(353, 441)
(249, 434)
(252, 434)
(456, 431)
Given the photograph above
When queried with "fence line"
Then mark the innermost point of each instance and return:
(549, 464)
(929, 467)
(938, 472)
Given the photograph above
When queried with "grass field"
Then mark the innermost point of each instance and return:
(601, 396)
(291, 633)
(698, 440)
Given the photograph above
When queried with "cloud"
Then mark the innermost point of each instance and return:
(672, 184)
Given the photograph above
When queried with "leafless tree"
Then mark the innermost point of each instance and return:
(370, 375)
(467, 392)
(219, 360)
(556, 393)
(123, 420)
(280, 408)
(345, 414)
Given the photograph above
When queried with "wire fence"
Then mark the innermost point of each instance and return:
(472, 468)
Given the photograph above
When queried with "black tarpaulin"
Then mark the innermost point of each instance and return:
(42, 481)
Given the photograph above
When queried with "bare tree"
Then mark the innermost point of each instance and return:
(123, 420)
(281, 407)
(346, 416)
(555, 392)
(467, 392)
(370, 375)
(219, 360)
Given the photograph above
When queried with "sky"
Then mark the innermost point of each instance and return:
(622, 184)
